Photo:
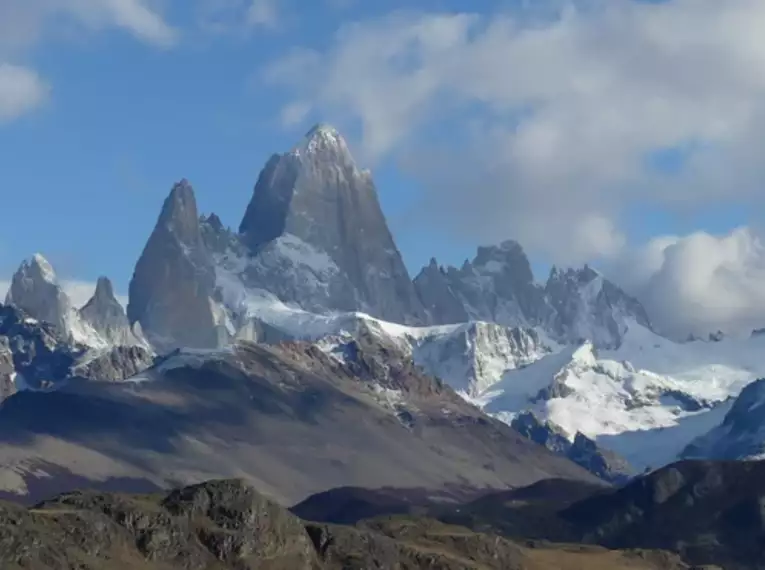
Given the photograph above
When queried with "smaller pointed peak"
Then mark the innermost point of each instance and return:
(179, 212)
(433, 263)
(214, 221)
(104, 288)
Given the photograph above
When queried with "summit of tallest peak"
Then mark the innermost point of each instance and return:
(322, 137)
(322, 130)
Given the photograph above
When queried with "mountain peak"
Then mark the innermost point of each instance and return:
(179, 213)
(35, 290)
(40, 267)
(322, 130)
(323, 138)
(104, 289)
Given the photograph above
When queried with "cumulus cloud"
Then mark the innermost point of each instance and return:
(24, 23)
(21, 90)
(699, 283)
(556, 120)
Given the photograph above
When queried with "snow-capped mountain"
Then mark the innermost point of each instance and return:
(35, 289)
(646, 400)
(474, 356)
(498, 286)
(314, 208)
(313, 259)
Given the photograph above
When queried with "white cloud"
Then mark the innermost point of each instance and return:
(137, 17)
(699, 283)
(555, 118)
(21, 91)
(24, 23)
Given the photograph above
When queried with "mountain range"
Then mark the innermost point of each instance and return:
(298, 343)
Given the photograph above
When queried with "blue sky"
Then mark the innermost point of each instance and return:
(585, 129)
(84, 175)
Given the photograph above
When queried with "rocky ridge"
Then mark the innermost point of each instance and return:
(498, 286)
(35, 356)
(226, 524)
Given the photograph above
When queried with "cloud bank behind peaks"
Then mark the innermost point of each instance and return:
(700, 283)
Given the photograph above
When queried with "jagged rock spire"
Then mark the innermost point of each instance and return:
(170, 293)
(35, 290)
(106, 315)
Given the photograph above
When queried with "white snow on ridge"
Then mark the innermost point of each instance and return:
(646, 400)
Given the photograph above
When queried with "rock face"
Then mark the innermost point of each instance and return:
(115, 364)
(582, 450)
(589, 307)
(107, 317)
(741, 434)
(498, 286)
(33, 354)
(171, 292)
(314, 202)
(35, 290)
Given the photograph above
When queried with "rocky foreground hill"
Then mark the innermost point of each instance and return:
(226, 524)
